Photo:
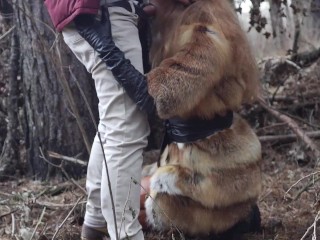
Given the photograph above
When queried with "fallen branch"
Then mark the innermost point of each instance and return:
(60, 166)
(294, 126)
(54, 165)
(303, 121)
(287, 138)
(62, 187)
(70, 159)
(270, 127)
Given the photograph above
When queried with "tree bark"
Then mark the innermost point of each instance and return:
(10, 156)
(5, 8)
(52, 119)
(315, 19)
(306, 21)
(277, 24)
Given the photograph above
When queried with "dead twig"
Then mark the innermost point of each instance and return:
(54, 165)
(60, 166)
(78, 185)
(42, 232)
(297, 182)
(69, 159)
(271, 127)
(305, 188)
(125, 206)
(7, 33)
(66, 218)
(314, 227)
(287, 138)
(13, 225)
(57, 189)
(38, 223)
(299, 119)
(294, 126)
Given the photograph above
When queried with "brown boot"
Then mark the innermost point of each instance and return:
(89, 233)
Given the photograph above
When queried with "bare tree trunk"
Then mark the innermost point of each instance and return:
(315, 20)
(278, 28)
(52, 119)
(306, 19)
(297, 27)
(306, 46)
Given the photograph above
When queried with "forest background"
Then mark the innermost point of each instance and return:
(46, 125)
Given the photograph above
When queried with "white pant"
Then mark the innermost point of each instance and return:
(123, 128)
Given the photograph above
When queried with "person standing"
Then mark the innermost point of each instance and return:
(123, 127)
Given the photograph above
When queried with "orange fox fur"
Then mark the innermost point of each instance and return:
(203, 66)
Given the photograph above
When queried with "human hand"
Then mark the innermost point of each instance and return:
(98, 34)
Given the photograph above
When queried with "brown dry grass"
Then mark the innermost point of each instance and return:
(282, 218)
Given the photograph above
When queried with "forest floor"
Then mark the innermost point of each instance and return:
(289, 203)
(44, 207)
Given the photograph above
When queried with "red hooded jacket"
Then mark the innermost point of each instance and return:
(62, 12)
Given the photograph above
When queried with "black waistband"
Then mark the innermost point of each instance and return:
(186, 131)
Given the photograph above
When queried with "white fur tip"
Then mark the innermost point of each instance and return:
(180, 146)
(165, 182)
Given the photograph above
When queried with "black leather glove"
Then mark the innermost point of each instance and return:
(98, 35)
